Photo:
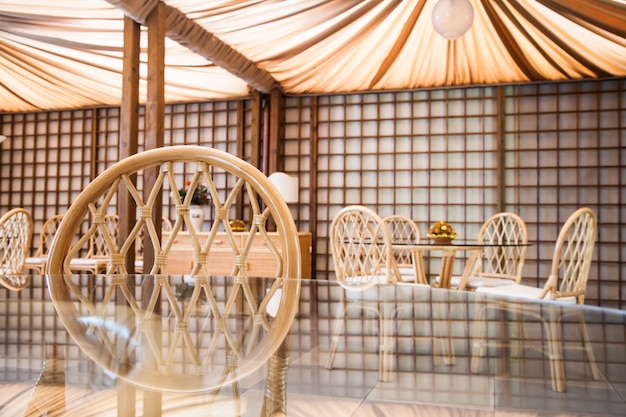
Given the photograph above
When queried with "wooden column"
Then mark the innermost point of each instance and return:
(256, 128)
(127, 208)
(129, 126)
(155, 112)
(313, 174)
(501, 160)
(155, 122)
(274, 132)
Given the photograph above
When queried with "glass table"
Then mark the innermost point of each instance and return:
(448, 256)
(93, 351)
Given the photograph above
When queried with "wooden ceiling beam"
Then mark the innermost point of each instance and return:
(188, 33)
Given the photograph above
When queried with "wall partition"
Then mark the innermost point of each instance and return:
(460, 155)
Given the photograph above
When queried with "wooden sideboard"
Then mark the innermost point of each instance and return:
(221, 259)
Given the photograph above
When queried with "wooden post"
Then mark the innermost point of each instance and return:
(129, 127)
(155, 113)
(275, 132)
(155, 122)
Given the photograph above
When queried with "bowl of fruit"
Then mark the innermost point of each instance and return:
(442, 233)
(237, 225)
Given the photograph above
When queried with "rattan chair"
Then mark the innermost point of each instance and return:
(16, 228)
(99, 249)
(498, 265)
(566, 284)
(38, 261)
(363, 257)
(230, 181)
(403, 230)
(95, 259)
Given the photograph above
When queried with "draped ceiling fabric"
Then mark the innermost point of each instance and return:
(68, 54)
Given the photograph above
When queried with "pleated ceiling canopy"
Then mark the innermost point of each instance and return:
(68, 54)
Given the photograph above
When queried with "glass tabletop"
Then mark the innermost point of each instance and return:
(83, 350)
(463, 243)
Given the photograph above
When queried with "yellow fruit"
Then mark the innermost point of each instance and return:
(441, 229)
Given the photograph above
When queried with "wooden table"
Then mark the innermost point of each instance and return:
(449, 253)
(447, 261)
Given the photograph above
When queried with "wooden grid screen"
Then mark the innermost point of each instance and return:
(43, 162)
(427, 155)
(565, 147)
(51, 156)
(462, 154)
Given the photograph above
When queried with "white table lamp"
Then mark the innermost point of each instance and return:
(287, 186)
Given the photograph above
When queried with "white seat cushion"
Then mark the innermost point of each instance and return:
(407, 274)
(477, 282)
(521, 291)
(87, 261)
(406, 270)
(35, 262)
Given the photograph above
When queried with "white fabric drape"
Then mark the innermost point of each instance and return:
(68, 54)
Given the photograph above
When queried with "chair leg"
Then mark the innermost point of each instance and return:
(442, 343)
(385, 348)
(555, 351)
(334, 339)
(480, 331)
(275, 399)
(588, 348)
(518, 334)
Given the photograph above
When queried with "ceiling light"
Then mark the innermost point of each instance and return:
(452, 18)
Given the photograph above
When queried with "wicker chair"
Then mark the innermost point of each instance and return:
(38, 261)
(403, 231)
(363, 257)
(498, 265)
(566, 284)
(16, 228)
(98, 250)
(229, 180)
(96, 257)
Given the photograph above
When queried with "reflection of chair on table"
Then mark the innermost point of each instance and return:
(243, 348)
(16, 228)
(566, 284)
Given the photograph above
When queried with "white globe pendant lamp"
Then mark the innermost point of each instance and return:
(452, 18)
